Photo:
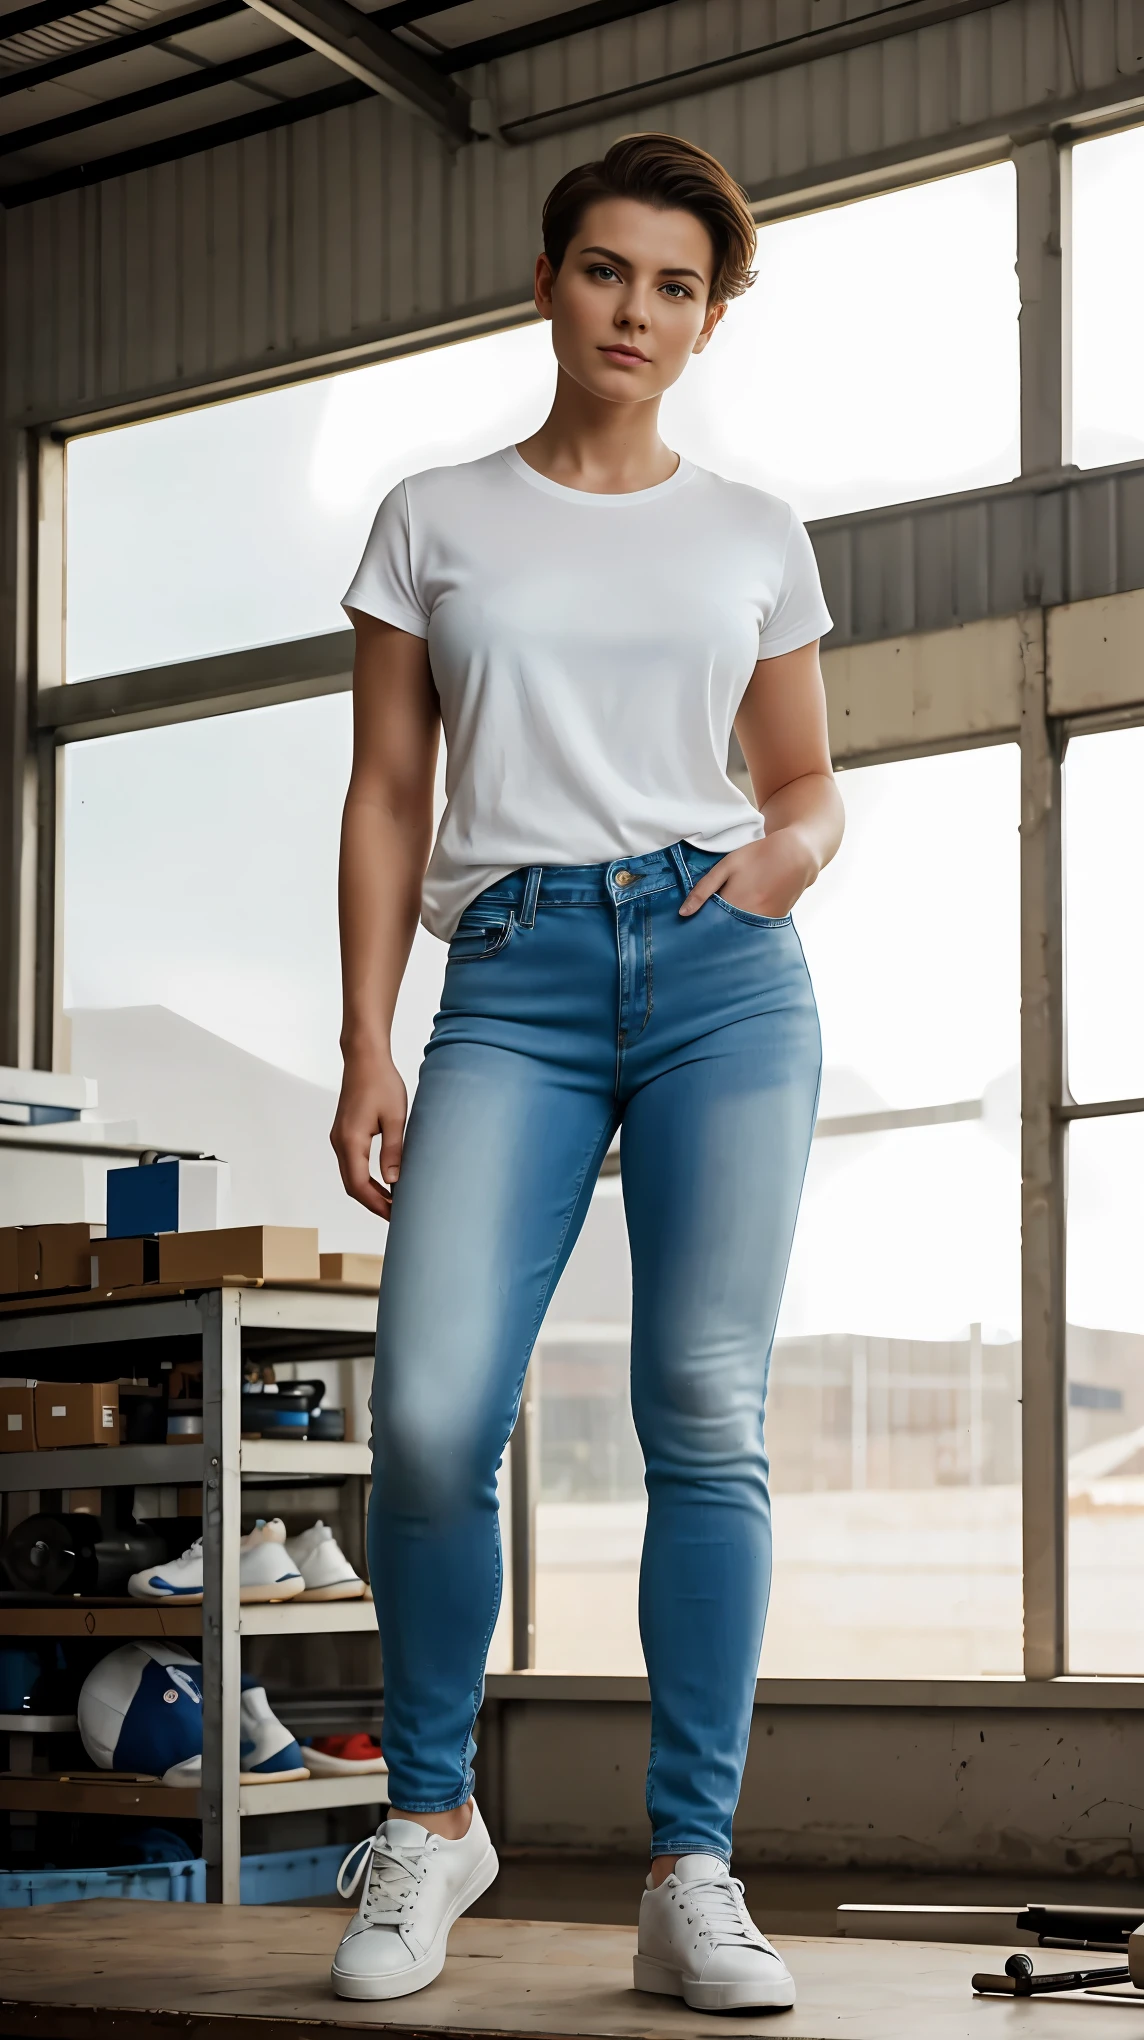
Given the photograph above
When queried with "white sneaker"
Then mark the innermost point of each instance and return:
(416, 1885)
(265, 1572)
(697, 1941)
(267, 1752)
(327, 1572)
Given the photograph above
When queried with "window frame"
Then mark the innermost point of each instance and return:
(1038, 715)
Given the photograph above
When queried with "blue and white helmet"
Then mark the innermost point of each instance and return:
(141, 1709)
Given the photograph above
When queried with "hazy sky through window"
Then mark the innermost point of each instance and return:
(874, 360)
(1108, 299)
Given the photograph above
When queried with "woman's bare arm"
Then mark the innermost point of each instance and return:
(781, 726)
(387, 831)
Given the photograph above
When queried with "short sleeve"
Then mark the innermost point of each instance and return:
(383, 585)
(800, 614)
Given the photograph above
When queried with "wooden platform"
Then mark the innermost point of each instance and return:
(121, 1971)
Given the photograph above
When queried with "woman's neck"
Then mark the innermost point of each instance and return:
(605, 449)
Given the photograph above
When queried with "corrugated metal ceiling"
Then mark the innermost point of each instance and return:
(89, 93)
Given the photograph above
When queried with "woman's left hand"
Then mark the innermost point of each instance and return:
(763, 878)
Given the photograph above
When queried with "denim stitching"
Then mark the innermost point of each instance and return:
(494, 948)
(479, 1688)
(752, 920)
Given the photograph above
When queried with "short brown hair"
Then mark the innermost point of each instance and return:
(673, 175)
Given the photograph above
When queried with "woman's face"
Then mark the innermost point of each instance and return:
(629, 303)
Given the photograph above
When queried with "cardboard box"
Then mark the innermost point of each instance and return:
(18, 1419)
(53, 1257)
(77, 1413)
(363, 1270)
(171, 1196)
(9, 1260)
(253, 1253)
(123, 1264)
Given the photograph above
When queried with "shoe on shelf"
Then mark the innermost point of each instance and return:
(698, 1942)
(416, 1886)
(267, 1752)
(177, 1579)
(327, 1572)
(343, 1756)
(265, 1571)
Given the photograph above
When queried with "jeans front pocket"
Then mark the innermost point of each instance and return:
(480, 934)
(752, 920)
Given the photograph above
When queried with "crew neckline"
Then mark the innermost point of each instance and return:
(594, 498)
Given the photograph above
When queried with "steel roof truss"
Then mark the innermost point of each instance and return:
(355, 43)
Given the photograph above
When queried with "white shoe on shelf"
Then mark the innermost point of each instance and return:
(177, 1579)
(698, 1942)
(265, 1571)
(267, 1752)
(416, 1886)
(326, 1571)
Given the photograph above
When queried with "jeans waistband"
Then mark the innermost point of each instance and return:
(623, 878)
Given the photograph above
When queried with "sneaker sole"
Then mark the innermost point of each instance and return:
(657, 1977)
(273, 1590)
(271, 1777)
(341, 1767)
(342, 1590)
(433, 1961)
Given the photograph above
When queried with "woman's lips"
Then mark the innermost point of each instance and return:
(623, 353)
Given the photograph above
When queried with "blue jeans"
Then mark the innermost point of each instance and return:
(577, 999)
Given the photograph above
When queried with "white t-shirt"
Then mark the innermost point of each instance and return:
(590, 653)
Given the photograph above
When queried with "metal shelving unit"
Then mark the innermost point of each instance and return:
(308, 1323)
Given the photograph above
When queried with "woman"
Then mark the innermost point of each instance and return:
(588, 615)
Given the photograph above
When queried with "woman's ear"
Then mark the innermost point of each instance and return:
(714, 314)
(542, 282)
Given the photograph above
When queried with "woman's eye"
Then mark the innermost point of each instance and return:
(677, 289)
(602, 269)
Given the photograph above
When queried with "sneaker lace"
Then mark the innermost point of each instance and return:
(720, 1907)
(394, 1874)
(193, 1550)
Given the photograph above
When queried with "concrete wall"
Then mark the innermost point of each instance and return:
(953, 1784)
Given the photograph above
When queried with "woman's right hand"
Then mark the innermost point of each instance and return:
(373, 1100)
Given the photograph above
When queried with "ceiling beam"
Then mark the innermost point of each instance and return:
(98, 112)
(44, 14)
(175, 148)
(109, 47)
(355, 43)
(532, 35)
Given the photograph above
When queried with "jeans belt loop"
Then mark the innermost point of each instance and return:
(531, 890)
(675, 852)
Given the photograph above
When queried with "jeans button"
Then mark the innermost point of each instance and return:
(625, 877)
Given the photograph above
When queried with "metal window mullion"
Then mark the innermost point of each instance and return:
(222, 1653)
(1044, 273)
(523, 1456)
(1044, 1485)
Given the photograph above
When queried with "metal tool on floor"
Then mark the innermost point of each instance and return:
(1112, 1930)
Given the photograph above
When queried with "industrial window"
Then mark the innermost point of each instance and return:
(1108, 300)
(201, 980)
(875, 360)
(1104, 878)
(893, 1418)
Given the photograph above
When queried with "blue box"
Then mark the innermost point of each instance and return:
(167, 1196)
(142, 1201)
(282, 1876)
